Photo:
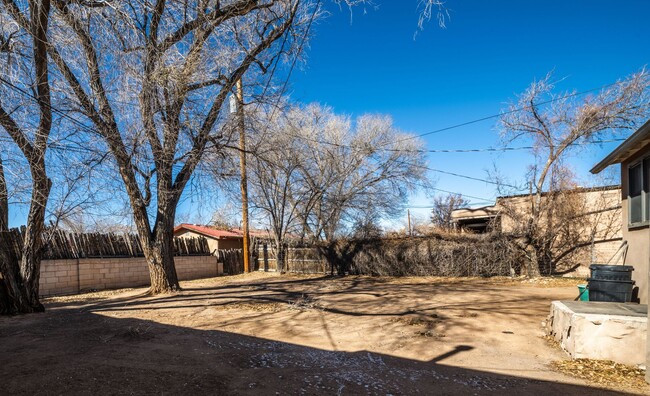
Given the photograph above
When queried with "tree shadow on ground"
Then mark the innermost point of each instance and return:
(348, 296)
(73, 351)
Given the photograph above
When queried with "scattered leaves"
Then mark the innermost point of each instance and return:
(602, 372)
(552, 342)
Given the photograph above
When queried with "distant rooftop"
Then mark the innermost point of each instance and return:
(207, 231)
(628, 148)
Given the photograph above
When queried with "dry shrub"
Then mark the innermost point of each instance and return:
(432, 255)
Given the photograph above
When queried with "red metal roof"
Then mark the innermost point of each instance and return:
(253, 233)
(206, 231)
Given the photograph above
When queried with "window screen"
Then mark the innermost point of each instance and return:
(646, 189)
(635, 193)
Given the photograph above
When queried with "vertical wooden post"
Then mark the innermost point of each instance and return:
(408, 215)
(266, 258)
(243, 181)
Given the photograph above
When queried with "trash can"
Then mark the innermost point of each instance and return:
(611, 272)
(610, 290)
(584, 292)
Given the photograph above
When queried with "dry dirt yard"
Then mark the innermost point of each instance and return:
(265, 334)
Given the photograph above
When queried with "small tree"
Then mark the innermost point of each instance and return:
(443, 206)
(557, 124)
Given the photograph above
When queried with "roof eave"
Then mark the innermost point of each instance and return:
(626, 149)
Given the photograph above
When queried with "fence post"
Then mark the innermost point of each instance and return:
(266, 257)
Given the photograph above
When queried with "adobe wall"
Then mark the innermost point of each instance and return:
(72, 276)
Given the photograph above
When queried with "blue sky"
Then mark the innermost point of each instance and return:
(370, 62)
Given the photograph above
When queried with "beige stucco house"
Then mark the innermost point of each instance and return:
(217, 239)
(634, 156)
(596, 212)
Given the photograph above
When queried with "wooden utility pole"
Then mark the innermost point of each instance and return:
(242, 167)
(408, 215)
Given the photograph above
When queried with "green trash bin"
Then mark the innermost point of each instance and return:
(584, 292)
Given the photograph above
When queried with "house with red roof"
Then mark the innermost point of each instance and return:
(217, 239)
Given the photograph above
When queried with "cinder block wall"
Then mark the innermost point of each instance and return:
(72, 276)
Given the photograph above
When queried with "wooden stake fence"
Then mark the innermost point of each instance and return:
(60, 245)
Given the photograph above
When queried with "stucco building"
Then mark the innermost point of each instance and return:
(594, 236)
(634, 156)
(217, 239)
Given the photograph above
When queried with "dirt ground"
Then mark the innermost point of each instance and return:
(265, 334)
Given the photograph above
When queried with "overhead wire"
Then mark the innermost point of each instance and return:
(501, 149)
(574, 94)
(48, 105)
(285, 84)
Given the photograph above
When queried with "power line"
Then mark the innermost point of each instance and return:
(489, 149)
(471, 178)
(477, 150)
(508, 112)
(295, 59)
(54, 109)
(500, 149)
(464, 195)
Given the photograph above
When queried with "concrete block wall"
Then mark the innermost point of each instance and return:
(196, 267)
(59, 277)
(72, 276)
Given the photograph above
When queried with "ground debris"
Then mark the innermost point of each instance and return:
(255, 306)
(603, 372)
(551, 341)
(304, 302)
(539, 282)
(89, 295)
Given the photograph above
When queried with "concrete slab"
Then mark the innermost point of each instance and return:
(600, 330)
(607, 308)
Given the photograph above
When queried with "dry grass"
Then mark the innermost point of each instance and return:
(541, 282)
(603, 372)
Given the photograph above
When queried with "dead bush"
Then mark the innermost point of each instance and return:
(434, 255)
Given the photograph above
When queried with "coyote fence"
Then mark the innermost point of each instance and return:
(62, 245)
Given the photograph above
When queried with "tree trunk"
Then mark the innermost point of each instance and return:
(160, 255)
(13, 297)
(20, 287)
(4, 200)
(162, 271)
(533, 262)
(30, 263)
(280, 256)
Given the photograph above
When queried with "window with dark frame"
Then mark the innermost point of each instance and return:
(639, 193)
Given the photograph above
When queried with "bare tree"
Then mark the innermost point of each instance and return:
(152, 78)
(443, 206)
(556, 124)
(312, 173)
(335, 173)
(368, 168)
(28, 123)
